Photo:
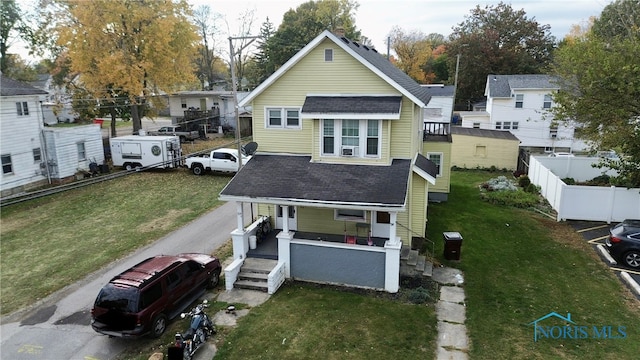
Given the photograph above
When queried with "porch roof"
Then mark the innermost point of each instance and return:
(295, 180)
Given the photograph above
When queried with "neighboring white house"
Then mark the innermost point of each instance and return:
(521, 104)
(32, 154)
(440, 107)
(56, 107)
(21, 127)
(72, 149)
(220, 102)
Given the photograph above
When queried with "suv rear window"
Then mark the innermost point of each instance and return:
(118, 298)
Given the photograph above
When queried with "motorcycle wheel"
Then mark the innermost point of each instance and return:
(186, 355)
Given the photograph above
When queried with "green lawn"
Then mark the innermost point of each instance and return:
(520, 266)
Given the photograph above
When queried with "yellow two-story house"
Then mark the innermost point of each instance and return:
(339, 171)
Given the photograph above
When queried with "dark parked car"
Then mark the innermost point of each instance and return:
(142, 299)
(623, 243)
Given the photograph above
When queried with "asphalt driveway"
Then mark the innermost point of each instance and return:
(595, 234)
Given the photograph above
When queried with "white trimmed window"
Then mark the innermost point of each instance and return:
(436, 157)
(288, 118)
(22, 108)
(37, 155)
(547, 102)
(351, 138)
(328, 55)
(519, 101)
(7, 167)
(82, 152)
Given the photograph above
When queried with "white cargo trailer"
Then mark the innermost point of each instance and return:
(138, 151)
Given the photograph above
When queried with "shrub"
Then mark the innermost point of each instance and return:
(501, 183)
(519, 199)
(419, 295)
(524, 181)
(569, 181)
(532, 188)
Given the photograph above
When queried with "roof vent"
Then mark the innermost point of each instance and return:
(356, 44)
(365, 47)
(346, 41)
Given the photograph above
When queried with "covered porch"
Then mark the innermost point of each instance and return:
(336, 223)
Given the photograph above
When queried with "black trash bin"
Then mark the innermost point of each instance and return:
(452, 245)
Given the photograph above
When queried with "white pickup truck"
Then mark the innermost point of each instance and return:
(222, 160)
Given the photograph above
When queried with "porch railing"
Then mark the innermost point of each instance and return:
(430, 244)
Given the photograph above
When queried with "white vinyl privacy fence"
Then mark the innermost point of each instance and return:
(576, 202)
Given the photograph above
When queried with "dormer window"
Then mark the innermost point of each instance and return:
(328, 55)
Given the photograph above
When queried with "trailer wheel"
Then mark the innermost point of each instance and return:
(128, 166)
(197, 169)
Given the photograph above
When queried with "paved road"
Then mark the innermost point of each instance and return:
(58, 328)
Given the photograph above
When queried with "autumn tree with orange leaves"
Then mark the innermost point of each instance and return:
(135, 48)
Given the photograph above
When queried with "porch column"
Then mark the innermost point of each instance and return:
(392, 228)
(392, 266)
(240, 215)
(284, 251)
(285, 219)
(239, 237)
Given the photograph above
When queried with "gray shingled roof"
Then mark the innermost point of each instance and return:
(427, 165)
(501, 86)
(390, 70)
(446, 90)
(296, 178)
(496, 134)
(352, 104)
(10, 87)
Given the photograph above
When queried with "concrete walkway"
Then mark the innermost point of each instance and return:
(453, 342)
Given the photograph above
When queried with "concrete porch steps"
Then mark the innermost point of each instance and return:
(254, 274)
(414, 264)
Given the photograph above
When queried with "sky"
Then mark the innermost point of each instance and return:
(375, 18)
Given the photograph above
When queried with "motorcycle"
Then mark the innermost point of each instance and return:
(200, 329)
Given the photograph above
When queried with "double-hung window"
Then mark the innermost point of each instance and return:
(436, 157)
(519, 101)
(22, 108)
(283, 118)
(547, 102)
(7, 168)
(82, 152)
(37, 155)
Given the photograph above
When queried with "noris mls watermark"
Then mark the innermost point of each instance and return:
(571, 330)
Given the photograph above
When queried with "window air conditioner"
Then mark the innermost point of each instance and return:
(349, 151)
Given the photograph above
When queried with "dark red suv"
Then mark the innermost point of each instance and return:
(142, 299)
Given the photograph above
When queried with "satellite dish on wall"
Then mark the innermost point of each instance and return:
(250, 148)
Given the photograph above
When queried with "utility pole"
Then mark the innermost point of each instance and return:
(235, 88)
(455, 87)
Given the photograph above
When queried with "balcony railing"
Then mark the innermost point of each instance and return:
(437, 131)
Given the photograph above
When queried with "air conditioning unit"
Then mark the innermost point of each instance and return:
(554, 135)
(349, 151)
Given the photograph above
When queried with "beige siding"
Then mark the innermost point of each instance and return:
(418, 206)
(482, 152)
(312, 75)
(442, 182)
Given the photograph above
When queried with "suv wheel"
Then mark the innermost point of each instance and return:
(214, 279)
(632, 259)
(158, 326)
